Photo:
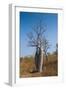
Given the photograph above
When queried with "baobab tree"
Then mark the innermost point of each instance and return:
(37, 39)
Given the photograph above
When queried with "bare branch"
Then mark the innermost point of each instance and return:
(46, 45)
(36, 37)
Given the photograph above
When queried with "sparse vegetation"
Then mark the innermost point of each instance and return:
(27, 65)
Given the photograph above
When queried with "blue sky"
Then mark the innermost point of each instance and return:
(27, 20)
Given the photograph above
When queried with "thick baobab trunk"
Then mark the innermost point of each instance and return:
(41, 61)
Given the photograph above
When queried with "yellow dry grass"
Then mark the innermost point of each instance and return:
(50, 67)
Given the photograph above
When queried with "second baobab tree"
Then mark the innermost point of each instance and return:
(37, 39)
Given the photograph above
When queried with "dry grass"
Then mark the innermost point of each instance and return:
(50, 67)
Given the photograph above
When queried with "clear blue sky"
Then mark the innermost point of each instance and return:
(27, 20)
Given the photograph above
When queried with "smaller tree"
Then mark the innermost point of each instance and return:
(46, 46)
(56, 50)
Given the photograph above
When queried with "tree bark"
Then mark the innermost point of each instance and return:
(41, 61)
